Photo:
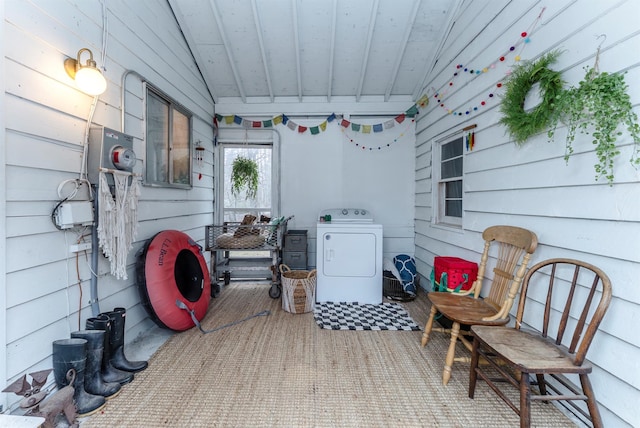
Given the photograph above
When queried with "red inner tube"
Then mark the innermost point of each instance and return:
(171, 267)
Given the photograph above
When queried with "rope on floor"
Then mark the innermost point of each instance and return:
(181, 305)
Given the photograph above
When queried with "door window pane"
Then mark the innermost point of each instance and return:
(236, 206)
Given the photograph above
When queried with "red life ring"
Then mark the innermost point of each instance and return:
(171, 267)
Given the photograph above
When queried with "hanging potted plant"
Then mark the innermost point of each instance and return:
(244, 175)
(598, 107)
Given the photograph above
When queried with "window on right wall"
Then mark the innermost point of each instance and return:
(448, 162)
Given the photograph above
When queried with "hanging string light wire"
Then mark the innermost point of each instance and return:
(349, 137)
(441, 93)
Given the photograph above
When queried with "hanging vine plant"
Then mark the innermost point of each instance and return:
(244, 174)
(523, 124)
(599, 106)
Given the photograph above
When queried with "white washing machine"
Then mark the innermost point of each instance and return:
(348, 257)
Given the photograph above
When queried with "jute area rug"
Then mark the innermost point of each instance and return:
(282, 370)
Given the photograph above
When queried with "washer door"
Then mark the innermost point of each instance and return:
(349, 254)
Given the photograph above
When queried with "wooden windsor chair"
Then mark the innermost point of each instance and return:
(562, 322)
(514, 248)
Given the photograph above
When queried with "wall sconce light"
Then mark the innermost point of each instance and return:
(88, 78)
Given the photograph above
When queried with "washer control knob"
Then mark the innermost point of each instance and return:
(345, 211)
(363, 212)
(356, 212)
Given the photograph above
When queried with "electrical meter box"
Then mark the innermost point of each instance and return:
(110, 150)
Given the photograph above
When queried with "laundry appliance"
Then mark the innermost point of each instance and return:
(348, 257)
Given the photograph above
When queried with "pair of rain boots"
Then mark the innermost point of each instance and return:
(76, 362)
(115, 365)
(97, 358)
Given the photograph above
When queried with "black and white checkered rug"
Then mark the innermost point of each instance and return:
(352, 316)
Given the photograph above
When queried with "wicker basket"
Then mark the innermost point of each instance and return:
(392, 288)
(298, 290)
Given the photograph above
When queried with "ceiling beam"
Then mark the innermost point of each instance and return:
(332, 49)
(296, 40)
(367, 49)
(225, 43)
(187, 34)
(315, 106)
(403, 48)
(451, 20)
(263, 52)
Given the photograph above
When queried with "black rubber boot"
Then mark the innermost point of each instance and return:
(72, 354)
(109, 373)
(118, 359)
(93, 382)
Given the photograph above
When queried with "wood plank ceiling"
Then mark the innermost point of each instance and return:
(295, 51)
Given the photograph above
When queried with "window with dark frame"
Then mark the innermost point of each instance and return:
(168, 142)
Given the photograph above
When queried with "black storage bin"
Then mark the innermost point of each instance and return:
(294, 252)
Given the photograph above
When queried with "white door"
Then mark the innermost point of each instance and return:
(349, 254)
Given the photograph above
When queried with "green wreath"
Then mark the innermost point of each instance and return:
(521, 124)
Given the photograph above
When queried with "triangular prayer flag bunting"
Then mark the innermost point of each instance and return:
(301, 129)
(277, 120)
(366, 129)
(355, 127)
(267, 123)
(314, 130)
(377, 127)
(345, 123)
(323, 126)
(400, 118)
(237, 120)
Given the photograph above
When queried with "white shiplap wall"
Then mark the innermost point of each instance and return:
(530, 186)
(3, 210)
(45, 117)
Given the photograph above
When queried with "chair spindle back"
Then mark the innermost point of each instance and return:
(581, 295)
(514, 248)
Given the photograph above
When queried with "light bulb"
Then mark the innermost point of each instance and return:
(90, 81)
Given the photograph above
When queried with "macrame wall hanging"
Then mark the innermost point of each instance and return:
(118, 218)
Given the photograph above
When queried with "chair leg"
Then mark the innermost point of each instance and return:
(525, 401)
(429, 326)
(451, 353)
(592, 405)
(542, 386)
(473, 375)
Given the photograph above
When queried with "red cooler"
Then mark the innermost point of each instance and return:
(456, 269)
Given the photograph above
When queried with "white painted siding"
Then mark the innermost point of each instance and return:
(45, 118)
(530, 186)
(3, 211)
